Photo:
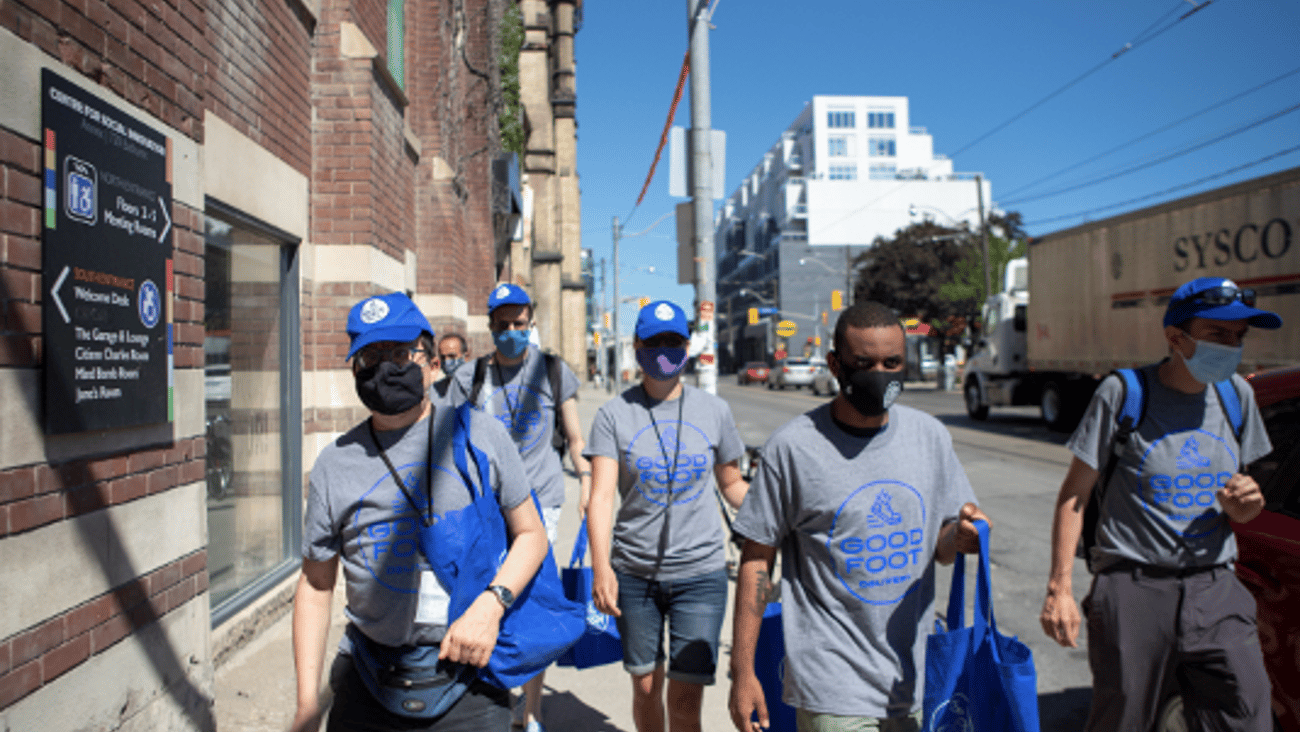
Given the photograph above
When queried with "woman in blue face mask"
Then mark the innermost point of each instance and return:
(662, 446)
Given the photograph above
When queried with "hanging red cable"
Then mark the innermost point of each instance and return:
(668, 124)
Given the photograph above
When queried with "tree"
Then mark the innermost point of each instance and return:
(510, 120)
(908, 271)
(965, 290)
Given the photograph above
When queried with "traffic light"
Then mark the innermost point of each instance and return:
(753, 316)
(837, 300)
(606, 320)
(595, 337)
(642, 302)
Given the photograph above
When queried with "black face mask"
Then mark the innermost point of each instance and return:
(391, 389)
(869, 391)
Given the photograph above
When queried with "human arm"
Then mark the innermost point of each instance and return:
(600, 511)
(731, 482)
(960, 535)
(1060, 616)
(753, 591)
(313, 599)
(573, 431)
(471, 638)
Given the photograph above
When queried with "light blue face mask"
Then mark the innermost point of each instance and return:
(511, 343)
(1212, 362)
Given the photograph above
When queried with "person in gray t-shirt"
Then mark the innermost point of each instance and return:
(660, 446)
(861, 496)
(359, 516)
(1165, 608)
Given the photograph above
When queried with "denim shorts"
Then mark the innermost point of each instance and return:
(693, 607)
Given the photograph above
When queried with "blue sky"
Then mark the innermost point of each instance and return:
(967, 67)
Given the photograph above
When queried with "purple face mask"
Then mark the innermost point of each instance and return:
(661, 364)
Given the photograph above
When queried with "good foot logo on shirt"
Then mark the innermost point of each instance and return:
(388, 527)
(650, 455)
(878, 541)
(527, 421)
(1202, 463)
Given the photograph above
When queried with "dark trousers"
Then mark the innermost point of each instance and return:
(1150, 631)
(483, 707)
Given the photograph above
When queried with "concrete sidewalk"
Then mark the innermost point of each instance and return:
(255, 688)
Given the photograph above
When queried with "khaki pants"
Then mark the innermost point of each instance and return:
(814, 722)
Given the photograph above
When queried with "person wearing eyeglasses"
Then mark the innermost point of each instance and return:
(662, 446)
(368, 492)
(1165, 609)
(534, 394)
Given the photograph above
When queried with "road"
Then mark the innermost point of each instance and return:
(1015, 466)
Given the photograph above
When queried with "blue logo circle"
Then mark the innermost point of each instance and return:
(1185, 496)
(527, 422)
(150, 304)
(877, 541)
(649, 454)
(388, 535)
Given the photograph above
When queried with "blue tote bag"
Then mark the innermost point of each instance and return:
(600, 644)
(769, 667)
(975, 677)
(465, 550)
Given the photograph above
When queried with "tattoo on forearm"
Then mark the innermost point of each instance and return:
(764, 591)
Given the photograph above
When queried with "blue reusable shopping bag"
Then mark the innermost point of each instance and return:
(465, 550)
(975, 677)
(769, 666)
(600, 644)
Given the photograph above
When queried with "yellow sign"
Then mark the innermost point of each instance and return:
(786, 328)
(753, 316)
(643, 302)
(817, 341)
(595, 337)
(606, 320)
(837, 300)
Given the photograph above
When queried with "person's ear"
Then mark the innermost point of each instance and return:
(833, 363)
(1175, 338)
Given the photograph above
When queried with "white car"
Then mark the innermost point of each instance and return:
(793, 371)
(824, 382)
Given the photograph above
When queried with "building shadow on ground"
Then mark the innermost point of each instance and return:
(562, 710)
(1065, 710)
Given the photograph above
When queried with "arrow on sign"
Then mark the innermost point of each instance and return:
(54, 293)
(162, 206)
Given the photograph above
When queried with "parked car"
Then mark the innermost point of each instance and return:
(1268, 550)
(752, 372)
(793, 371)
(823, 380)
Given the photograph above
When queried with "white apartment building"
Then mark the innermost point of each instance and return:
(849, 169)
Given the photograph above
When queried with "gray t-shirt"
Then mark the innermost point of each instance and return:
(658, 536)
(355, 509)
(1160, 508)
(525, 405)
(857, 520)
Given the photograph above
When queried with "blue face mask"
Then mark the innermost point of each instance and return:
(661, 364)
(511, 343)
(1212, 362)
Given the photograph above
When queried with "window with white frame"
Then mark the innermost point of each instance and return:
(839, 146)
(882, 171)
(842, 172)
(841, 119)
(881, 147)
(880, 120)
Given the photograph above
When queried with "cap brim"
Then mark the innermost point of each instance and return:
(397, 333)
(1255, 317)
(654, 329)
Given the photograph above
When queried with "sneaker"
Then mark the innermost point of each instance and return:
(535, 726)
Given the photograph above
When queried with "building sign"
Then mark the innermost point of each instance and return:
(107, 269)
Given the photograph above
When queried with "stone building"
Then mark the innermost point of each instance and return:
(306, 154)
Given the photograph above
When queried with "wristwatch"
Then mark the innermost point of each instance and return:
(504, 595)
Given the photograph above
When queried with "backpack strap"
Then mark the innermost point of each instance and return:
(1133, 407)
(480, 373)
(1230, 402)
(559, 439)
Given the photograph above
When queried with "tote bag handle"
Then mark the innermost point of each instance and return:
(579, 555)
(983, 618)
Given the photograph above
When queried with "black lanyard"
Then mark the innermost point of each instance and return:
(505, 393)
(428, 518)
(677, 449)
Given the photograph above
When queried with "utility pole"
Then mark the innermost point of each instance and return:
(702, 192)
(618, 342)
(984, 238)
(602, 330)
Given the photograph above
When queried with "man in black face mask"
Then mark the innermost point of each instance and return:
(862, 496)
(368, 493)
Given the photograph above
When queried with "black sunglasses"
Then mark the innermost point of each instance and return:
(664, 340)
(1225, 295)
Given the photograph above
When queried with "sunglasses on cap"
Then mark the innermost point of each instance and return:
(1224, 295)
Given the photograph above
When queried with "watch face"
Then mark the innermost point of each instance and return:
(504, 594)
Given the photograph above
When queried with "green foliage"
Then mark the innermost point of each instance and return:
(965, 289)
(511, 118)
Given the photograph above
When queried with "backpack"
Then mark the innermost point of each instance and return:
(1133, 407)
(559, 438)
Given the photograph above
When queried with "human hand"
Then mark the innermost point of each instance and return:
(1060, 618)
(307, 717)
(968, 536)
(1241, 498)
(746, 699)
(604, 590)
(472, 637)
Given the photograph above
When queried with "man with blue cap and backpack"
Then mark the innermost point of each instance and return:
(410, 658)
(1161, 449)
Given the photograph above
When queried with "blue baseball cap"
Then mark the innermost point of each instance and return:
(391, 317)
(661, 316)
(1217, 298)
(507, 294)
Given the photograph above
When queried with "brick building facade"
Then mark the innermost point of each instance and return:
(319, 151)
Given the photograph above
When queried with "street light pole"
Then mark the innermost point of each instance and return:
(618, 340)
(702, 190)
(984, 237)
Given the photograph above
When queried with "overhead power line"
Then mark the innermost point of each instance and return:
(1165, 128)
(1142, 39)
(1166, 191)
(1157, 161)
